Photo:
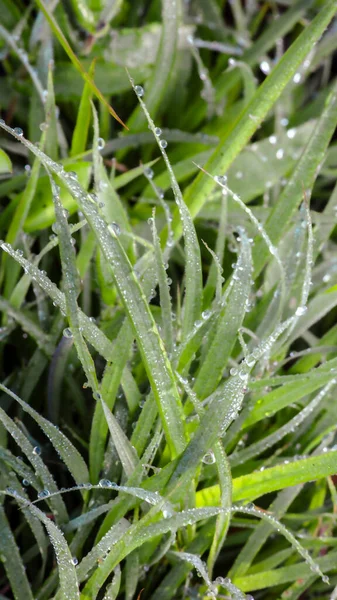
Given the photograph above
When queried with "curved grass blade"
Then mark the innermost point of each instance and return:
(41, 470)
(135, 536)
(267, 442)
(113, 589)
(193, 271)
(42, 340)
(249, 487)
(66, 566)
(158, 367)
(23, 57)
(68, 453)
(96, 337)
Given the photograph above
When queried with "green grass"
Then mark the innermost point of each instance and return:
(168, 340)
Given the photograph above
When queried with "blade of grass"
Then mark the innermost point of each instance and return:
(265, 97)
(193, 271)
(12, 561)
(36, 461)
(254, 485)
(78, 66)
(228, 324)
(303, 178)
(159, 80)
(70, 456)
(154, 355)
(80, 135)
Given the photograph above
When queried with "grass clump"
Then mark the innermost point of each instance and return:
(168, 301)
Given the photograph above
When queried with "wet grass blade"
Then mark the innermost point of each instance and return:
(249, 487)
(259, 106)
(302, 178)
(154, 355)
(70, 456)
(78, 66)
(12, 561)
(227, 325)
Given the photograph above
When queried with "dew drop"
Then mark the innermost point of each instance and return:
(280, 153)
(18, 131)
(25, 482)
(300, 311)
(67, 333)
(222, 179)
(273, 139)
(74, 561)
(139, 91)
(100, 143)
(43, 494)
(163, 143)
(291, 133)
(37, 450)
(297, 77)
(115, 228)
(208, 458)
(265, 67)
(72, 175)
(158, 131)
(148, 172)
(233, 371)
(105, 483)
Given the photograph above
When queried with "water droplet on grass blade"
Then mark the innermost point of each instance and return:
(18, 131)
(115, 228)
(37, 450)
(265, 67)
(139, 90)
(100, 143)
(148, 172)
(158, 131)
(222, 179)
(43, 494)
(67, 333)
(208, 458)
(105, 483)
(163, 143)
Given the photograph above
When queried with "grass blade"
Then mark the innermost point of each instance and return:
(70, 456)
(259, 106)
(67, 48)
